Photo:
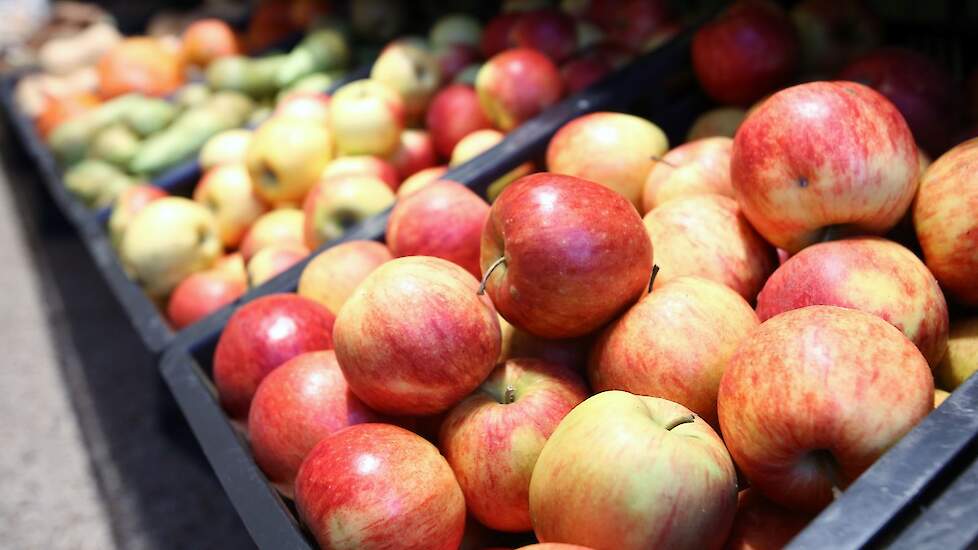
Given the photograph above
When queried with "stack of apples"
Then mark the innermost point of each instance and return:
(322, 164)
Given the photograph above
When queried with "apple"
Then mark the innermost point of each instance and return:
(554, 546)
(492, 438)
(167, 240)
(205, 292)
(815, 396)
(226, 190)
(832, 32)
(580, 72)
(379, 20)
(332, 276)
(548, 31)
(517, 85)
(335, 205)
(414, 338)
(130, 201)
(415, 153)
(722, 121)
(478, 142)
(823, 158)
(274, 259)
(961, 360)
(280, 226)
(763, 525)
(455, 113)
(454, 59)
(309, 106)
(208, 39)
(444, 220)
(397, 491)
(640, 471)
(700, 167)
(614, 149)
(497, 36)
(294, 408)
(940, 396)
(922, 90)
(455, 28)
(631, 24)
(869, 274)
(410, 69)
(516, 343)
(420, 179)
(945, 216)
(285, 158)
(363, 165)
(227, 147)
(366, 118)
(708, 236)
(260, 336)
(674, 344)
(749, 50)
(562, 256)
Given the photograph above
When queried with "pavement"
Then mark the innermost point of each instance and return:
(95, 453)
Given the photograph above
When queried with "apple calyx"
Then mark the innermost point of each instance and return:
(485, 278)
(827, 464)
(655, 271)
(686, 419)
(509, 396)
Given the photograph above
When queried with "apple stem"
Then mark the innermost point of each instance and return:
(655, 271)
(689, 418)
(663, 161)
(830, 468)
(509, 396)
(485, 278)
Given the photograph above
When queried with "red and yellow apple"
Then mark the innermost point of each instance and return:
(273, 260)
(130, 201)
(455, 113)
(204, 292)
(332, 276)
(961, 360)
(335, 205)
(285, 158)
(699, 167)
(420, 179)
(409, 68)
(362, 165)
(229, 146)
(366, 118)
(517, 85)
(309, 106)
(280, 226)
(479, 142)
(415, 153)
(227, 191)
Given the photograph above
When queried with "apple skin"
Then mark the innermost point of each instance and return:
(548, 31)
(453, 59)
(366, 118)
(280, 226)
(580, 72)
(554, 546)
(455, 113)
(815, 396)
(419, 180)
(576, 255)
(819, 155)
(415, 153)
(285, 158)
(364, 165)
(335, 205)
(227, 191)
(497, 36)
(455, 29)
(492, 438)
(613, 149)
(613, 471)
(921, 89)
(130, 201)
(377, 486)
(273, 260)
(940, 396)
(569, 352)
(517, 85)
(961, 360)
(444, 220)
(708, 236)
(945, 216)
(478, 142)
(722, 121)
(260, 336)
(832, 32)
(748, 51)
(698, 167)
(410, 69)
(631, 24)
(674, 344)
(869, 274)
(309, 106)
(763, 525)
(415, 338)
(332, 276)
(166, 241)
(294, 408)
(205, 292)
(229, 146)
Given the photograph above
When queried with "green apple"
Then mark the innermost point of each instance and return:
(366, 117)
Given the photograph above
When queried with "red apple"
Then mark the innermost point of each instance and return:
(444, 220)
(377, 486)
(815, 396)
(833, 32)
(273, 260)
(945, 216)
(284, 225)
(415, 153)
(454, 113)
(763, 525)
(332, 276)
(497, 35)
(640, 471)
(569, 352)
(674, 343)
(420, 179)
(517, 85)
(454, 58)
(869, 274)
(295, 407)
(631, 24)
(563, 255)
(708, 236)
(548, 31)
(493, 437)
(750, 50)
(823, 158)
(921, 89)
(364, 165)
(415, 338)
(580, 72)
(260, 336)
(205, 292)
(699, 167)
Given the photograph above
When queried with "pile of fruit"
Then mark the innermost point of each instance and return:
(321, 164)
